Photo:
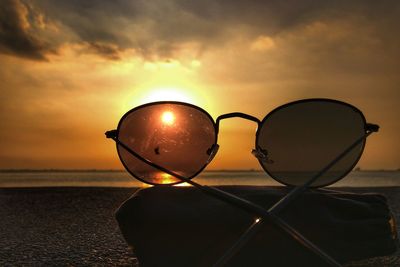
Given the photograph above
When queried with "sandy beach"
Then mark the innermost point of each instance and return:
(75, 226)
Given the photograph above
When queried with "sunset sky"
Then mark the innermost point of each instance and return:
(70, 69)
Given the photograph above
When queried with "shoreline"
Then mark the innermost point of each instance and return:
(123, 170)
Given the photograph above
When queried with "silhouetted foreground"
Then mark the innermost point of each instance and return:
(186, 228)
(62, 227)
(76, 226)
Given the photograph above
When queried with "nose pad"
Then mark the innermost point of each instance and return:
(261, 155)
(212, 151)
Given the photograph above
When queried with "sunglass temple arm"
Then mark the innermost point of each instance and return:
(234, 200)
(282, 203)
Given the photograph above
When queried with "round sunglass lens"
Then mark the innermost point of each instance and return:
(175, 136)
(298, 140)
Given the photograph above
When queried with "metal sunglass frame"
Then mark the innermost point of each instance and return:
(262, 213)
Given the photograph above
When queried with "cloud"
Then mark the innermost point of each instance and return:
(18, 24)
(158, 29)
(109, 51)
(262, 43)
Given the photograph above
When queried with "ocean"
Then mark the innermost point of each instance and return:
(123, 179)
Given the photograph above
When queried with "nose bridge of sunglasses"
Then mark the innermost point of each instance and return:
(236, 138)
(236, 115)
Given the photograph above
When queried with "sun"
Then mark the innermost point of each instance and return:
(168, 118)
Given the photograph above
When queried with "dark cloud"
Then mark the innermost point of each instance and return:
(17, 31)
(109, 51)
(158, 28)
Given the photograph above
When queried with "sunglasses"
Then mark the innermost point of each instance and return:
(292, 143)
(302, 144)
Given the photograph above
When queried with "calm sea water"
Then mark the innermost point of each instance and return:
(123, 179)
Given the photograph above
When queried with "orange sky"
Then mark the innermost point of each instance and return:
(70, 70)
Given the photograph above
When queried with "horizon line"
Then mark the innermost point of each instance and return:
(123, 170)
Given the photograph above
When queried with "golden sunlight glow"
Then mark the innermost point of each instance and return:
(167, 94)
(165, 81)
(182, 184)
(168, 118)
(144, 185)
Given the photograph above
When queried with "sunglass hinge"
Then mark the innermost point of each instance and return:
(111, 134)
(262, 155)
(212, 151)
(372, 127)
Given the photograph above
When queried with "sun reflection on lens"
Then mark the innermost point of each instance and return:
(168, 118)
(164, 178)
